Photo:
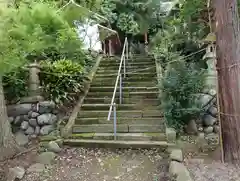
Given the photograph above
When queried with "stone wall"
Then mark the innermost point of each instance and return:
(208, 122)
(33, 119)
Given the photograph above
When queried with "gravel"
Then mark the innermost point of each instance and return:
(215, 171)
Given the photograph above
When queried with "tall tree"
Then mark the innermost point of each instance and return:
(228, 62)
(8, 146)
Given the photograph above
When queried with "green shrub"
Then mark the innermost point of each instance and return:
(180, 85)
(61, 80)
(15, 85)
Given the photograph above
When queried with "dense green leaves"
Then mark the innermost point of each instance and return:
(180, 84)
(61, 80)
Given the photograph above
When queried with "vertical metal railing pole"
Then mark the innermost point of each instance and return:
(120, 89)
(115, 121)
(127, 50)
(124, 66)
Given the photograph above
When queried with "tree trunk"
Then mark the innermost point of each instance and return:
(228, 62)
(8, 146)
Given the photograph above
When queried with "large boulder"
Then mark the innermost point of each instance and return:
(46, 107)
(18, 109)
(47, 118)
(45, 130)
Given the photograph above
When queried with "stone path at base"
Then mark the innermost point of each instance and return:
(81, 164)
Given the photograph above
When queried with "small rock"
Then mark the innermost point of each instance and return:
(208, 129)
(25, 117)
(213, 111)
(176, 155)
(53, 146)
(33, 122)
(216, 129)
(17, 172)
(17, 120)
(205, 99)
(37, 130)
(45, 130)
(47, 118)
(11, 119)
(212, 92)
(171, 135)
(191, 128)
(29, 131)
(59, 142)
(46, 107)
(24, 125)
(37, 167)
(33, 136)
(30, 114)
(21, 138)
(34, 114)
(46, 157)
(208, 120)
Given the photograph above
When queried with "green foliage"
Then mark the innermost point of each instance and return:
(180, 84)
(37, 31)
(15, 84)
(131, 17)
(61, 80)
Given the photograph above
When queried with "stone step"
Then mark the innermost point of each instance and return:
(128, 68)
(121, 136)
(120, 120)
(106, 106)
(107, 100)
(130, 63)
(117, 144)
(129, 75)
(120, 113)
(144, 70)
(131, 79)
(121, 128)
(124, 89)
(139, 83)
(145, 94)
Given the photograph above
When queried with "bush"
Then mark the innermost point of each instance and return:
(180, 84)
(15, 85)
(61, 80)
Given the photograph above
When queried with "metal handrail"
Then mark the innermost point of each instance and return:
(119, 78)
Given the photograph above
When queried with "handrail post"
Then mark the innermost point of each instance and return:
(127, 50)
(115, 121)
(120, 89)
(124, 66)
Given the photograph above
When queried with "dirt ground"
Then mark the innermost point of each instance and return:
(82, 164)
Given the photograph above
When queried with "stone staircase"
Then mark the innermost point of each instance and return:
(139, 120)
